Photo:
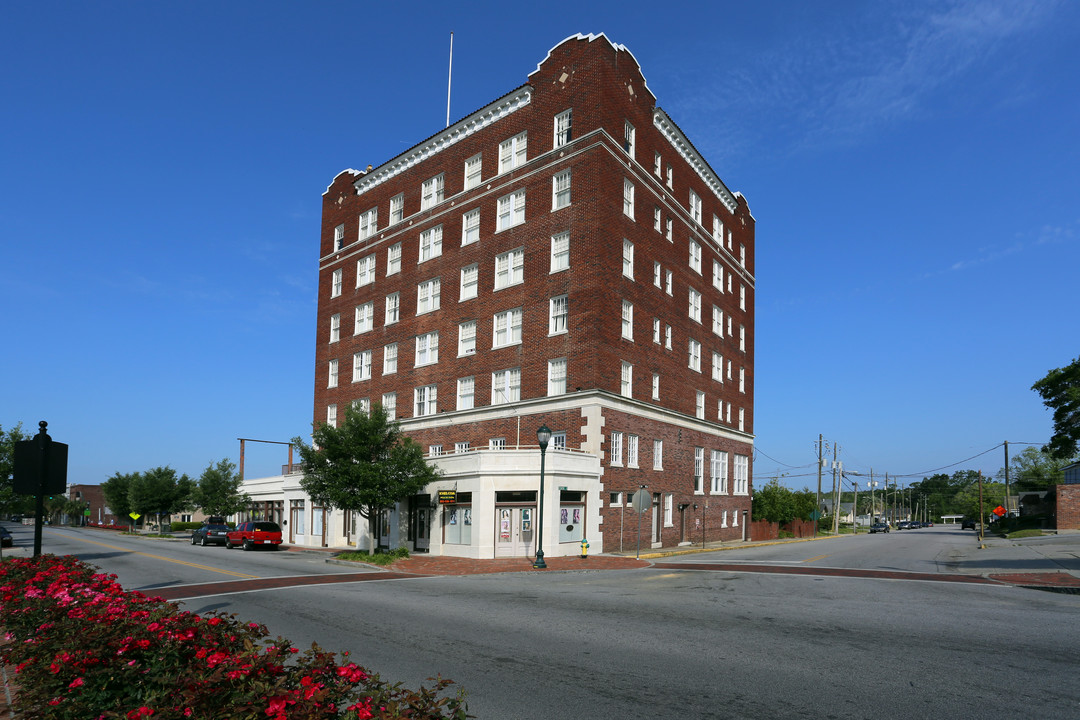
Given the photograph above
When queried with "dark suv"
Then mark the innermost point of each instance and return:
(252, 534)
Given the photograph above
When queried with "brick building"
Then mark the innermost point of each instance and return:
(563, 256)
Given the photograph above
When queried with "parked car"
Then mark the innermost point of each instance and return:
(967, 524)
(250, 535)
(5, 538)
(210, 534)
(903, 525)
(879, 527)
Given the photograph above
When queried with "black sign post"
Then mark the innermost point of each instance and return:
(40, 470)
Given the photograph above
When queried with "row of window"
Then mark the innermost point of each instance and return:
(723, 410)
(659, 273)
(716, 480)
(557, 442)
(620, 499)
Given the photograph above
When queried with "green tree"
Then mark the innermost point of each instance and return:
(776, 503)
(362, 466)
(116, 491)
(967, 499)
(10, 502)
(159, 491)
(1035, 469)
(218, 490)
(1060, 391)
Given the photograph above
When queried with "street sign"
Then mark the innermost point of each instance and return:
(134, 516)
(642, 501)
(815, 515)
(999, 511)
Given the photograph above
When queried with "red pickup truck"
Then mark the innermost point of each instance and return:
(250, 535)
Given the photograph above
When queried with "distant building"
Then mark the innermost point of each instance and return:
(563, 256)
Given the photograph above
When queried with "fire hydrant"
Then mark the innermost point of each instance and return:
(584, 548)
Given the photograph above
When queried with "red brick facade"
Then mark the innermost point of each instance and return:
(603, 87)
(1068, 507)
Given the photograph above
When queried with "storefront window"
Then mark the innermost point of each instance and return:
(457, 521)
(571, 516)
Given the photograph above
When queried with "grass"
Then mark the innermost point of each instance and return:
(380, 558)
(1030, 532)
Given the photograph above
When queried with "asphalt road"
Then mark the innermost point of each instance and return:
(671, 642)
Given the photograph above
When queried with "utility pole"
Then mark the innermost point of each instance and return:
(820, 462)
(855, 511)
(872, 506)
(836, 489)
(980, 511)
(1007, 514)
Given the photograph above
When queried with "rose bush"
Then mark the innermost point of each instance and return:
(83, 647)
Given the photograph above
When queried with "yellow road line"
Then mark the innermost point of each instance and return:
(159, 557)
(816, 557)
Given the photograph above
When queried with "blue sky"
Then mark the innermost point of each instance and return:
(914, 169)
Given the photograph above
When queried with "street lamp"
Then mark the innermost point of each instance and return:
(543, 435)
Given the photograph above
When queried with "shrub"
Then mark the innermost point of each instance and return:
(379, 558)
(85, 648)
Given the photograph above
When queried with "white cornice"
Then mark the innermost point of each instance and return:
(453, 134)
(686, 149)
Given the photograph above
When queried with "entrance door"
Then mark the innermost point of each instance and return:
(514, 531)
(657, 526)
(420, 522)
(318, 525)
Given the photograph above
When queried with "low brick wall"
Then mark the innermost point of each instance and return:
(1068, 507)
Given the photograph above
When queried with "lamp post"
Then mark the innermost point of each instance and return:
(543, 435)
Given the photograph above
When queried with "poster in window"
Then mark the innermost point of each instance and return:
(564, 517)
(467, 516)
(453, 516)
(577, 516)
(526, 520)
(504, 525)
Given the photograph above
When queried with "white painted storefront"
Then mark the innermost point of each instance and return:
(492, 513)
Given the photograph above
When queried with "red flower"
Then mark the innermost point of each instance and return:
(77, 682)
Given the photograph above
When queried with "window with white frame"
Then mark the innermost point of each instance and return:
(656, 274)
(627, 320)
(742, 338)
(694, 305)
(723, 519)
(728, 369)
(557, 377)
(470, 278)
(657, 454)
(729, 320)
(695, 355)
(742, 419)
(393, 259)
(389, 404)
(717, 367)
(695, 207)
(667, 336)
(729, 277)
(511, 210)
(558, 315)
(331, 415)
(332, 374)
(727, 414)
(656, 219)
(466, 391)
(510, 268)
(335, 283)
(428, 294)
(699, 469)
(628, 139)
(616, 448)
(339, 237)
(427, 348)
(558, 440)
(435, 450)
(668, 281)
(505, 386)
(742, 474)
(626, 384)
(670, 175)
(365, 318)
(564, 127)
(669, 230)
(742, 254)
(742, 297)
(717, 321)
(512, 152)
(656, 386)
(497, 444)
(365, 270)
(669, 501)
(389, 359)
(425, 398)
(628, 198)
(695, 256)
(632, 451)
(335, 327)
(719, 472)
(397, 208)
(560, 190)
(615, 499)
(628, 259)
(656, 330)
(431, 243)
(369, 223)
(393, 308)
(742, 380)
(507, 328)
(461, 446)
(560, 252)
(699, 404)
(431, 193)
(362, 405)
(472, 171)
(470, 227)
(466, 338)
(718, 275)
(717, 231)
(361, 367)
(656, 164)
